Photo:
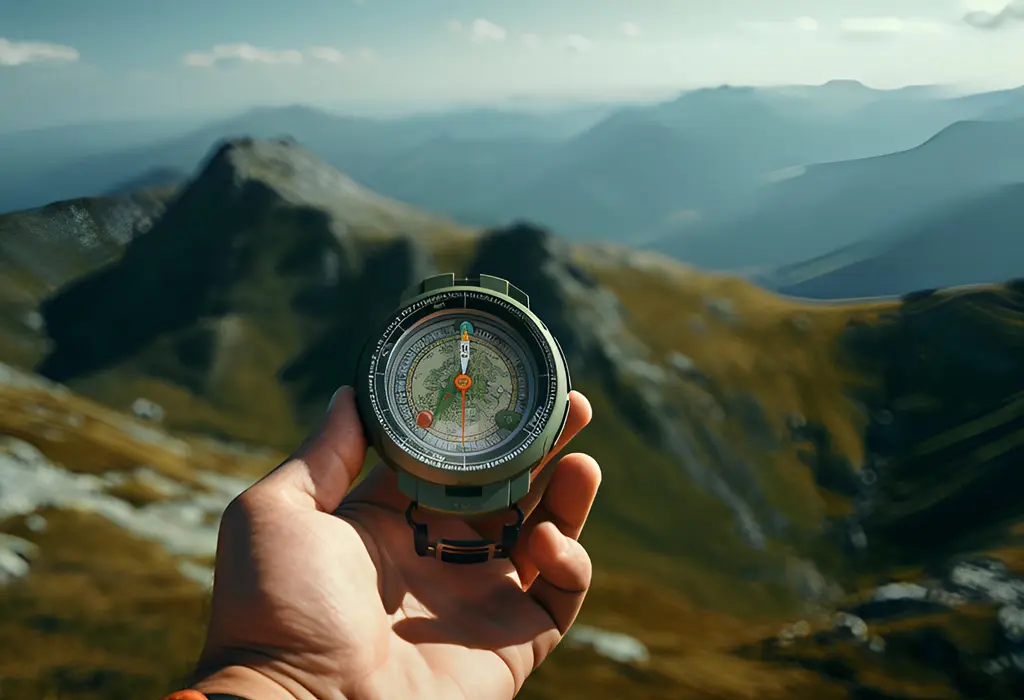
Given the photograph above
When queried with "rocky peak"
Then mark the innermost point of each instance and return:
(265, 247)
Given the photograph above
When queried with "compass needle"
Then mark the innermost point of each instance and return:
(462, 341)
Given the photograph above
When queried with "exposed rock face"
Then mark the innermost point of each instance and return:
(594, 330)
(261, 239)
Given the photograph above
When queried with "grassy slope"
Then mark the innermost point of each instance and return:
(685, 597)
(684, 570)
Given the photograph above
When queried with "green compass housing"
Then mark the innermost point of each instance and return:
(463, 391)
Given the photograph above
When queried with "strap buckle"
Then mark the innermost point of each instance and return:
(465, 551)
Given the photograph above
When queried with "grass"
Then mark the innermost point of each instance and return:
(104, 614)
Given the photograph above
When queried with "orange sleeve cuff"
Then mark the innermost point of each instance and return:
(185, 695)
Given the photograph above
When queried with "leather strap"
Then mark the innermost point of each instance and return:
(465, 551)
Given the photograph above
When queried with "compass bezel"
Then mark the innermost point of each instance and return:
(536, 437)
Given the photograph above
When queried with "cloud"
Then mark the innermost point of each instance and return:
(454, 26)
(576, 43)
(245, 53)
(327, 54)
(482, 31)
(16, 53)
(879, 27)
(630, 29)
(991, 20)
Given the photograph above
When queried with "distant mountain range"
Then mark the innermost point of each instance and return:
(736, 178)
(622, 172)
(831, 206)
(973, 241)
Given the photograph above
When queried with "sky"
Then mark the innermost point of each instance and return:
(67, 61)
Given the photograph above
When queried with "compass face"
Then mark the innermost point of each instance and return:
(463, 382)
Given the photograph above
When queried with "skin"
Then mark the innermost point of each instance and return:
(319, 594)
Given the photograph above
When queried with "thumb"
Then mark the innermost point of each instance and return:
(324, 466)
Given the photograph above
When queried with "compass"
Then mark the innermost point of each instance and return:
(463, 391)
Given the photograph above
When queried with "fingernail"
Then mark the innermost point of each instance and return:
(334, 396)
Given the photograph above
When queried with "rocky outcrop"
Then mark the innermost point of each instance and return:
(595, 332)
(266, 248)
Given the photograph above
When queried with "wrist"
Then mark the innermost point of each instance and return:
(250, 684)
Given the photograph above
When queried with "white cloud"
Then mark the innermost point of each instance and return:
(483, 31)
(246, 53)
(16, 53)
(889, 26)
(530, 41)
(327, 54)
(991, 16)
(454, 26)
(630, 29)
(577, 43)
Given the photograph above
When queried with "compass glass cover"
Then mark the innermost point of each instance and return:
(464, 389)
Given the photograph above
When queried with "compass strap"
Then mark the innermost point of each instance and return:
(465, 551)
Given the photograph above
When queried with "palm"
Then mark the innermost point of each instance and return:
(359, 611)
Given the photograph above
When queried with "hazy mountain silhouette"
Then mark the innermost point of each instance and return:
(976, 241)
(833, 205)
(359, 145)
(600, 171)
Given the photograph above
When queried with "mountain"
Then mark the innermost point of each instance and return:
(529, 163)
(825, 207)
(357, 144)
(157, 178)
(618, 179)
(789, 504)
(970, 242)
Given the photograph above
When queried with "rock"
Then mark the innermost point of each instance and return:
(148, 410)
(186, 526)
(850, 627)
(16, 555)
(857, 537)
(1010, 620)
(985, 581)
(34, 321)
(36, 523)
(903, 599)
(611, 645)
(722, 309)
(681, 363)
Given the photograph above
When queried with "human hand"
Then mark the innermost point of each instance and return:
(313, 599)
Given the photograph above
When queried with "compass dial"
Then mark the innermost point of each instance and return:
(463, 386)
(460, 385)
